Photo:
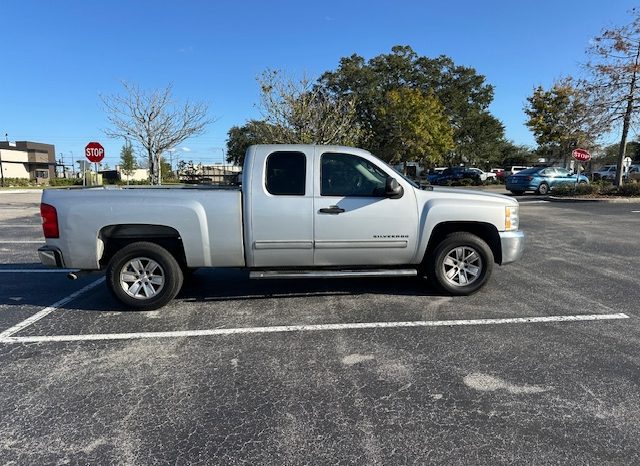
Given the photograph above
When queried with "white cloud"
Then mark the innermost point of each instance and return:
(185, 149)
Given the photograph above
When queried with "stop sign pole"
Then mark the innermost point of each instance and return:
(94, 153)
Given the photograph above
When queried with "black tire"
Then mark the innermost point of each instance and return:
(582, 182)
(441, 262)
(149, 285)
(517, 193)
(543, 189)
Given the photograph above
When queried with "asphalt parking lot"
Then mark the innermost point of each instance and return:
(542, 366)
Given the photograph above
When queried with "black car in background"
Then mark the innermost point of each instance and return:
(456, 174)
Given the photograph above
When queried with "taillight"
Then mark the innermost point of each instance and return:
(49, 221)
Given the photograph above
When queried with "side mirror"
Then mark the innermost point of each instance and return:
(392, 189)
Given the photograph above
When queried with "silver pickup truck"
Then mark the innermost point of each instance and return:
(302, 211)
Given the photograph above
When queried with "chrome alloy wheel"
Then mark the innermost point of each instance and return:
(142, 278)
(462, 266)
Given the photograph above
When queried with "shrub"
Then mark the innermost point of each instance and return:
(65, 182)
(601, 188)
(19, 182)
(629, 189)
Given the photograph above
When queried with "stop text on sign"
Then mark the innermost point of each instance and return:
(581, 155)
(94, 152)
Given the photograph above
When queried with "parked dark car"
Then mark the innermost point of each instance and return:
(456, 174)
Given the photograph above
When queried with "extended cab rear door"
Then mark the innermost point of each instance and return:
(280, 205)
(354, 222)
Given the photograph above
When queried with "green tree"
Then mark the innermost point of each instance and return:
(612, 152)
(127, 160)
(239, 138)
(513, 154)
(615, 68)
(562, 119)
(413, 127)
(461, 90)
(480, 140)
(166, 172)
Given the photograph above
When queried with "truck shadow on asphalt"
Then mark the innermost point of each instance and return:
(203, 286)
(214, 285)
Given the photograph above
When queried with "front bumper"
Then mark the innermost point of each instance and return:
(50, 256)
(512, 243)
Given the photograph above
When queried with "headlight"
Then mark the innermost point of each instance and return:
(511, 218)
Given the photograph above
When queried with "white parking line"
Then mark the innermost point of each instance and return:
(32, 225)
(37, 270)
(47, 310)
(8, 241)
(307, 328)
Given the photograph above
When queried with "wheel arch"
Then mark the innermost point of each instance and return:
(486, 231)
(115, 237)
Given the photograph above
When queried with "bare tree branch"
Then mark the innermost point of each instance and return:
(153, 120)
(299, 112)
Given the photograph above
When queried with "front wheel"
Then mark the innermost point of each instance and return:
(461, 264)
(144, 276)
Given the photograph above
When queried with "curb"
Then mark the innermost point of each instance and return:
(605, 200)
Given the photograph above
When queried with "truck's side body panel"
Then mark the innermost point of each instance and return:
(209, 222)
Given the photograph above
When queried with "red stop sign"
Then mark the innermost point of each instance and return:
(94, 152)
(581, 155)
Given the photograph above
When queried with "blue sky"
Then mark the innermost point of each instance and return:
(57, 57)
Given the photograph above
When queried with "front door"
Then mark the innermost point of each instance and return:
(354, 222)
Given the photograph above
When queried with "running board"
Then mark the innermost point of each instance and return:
(267, 274)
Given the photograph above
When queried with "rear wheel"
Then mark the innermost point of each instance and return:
(144, 276)
(461, 264)
(543, 189)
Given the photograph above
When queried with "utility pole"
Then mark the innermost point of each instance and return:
(6, 137)
(73, 166)
(1, 171)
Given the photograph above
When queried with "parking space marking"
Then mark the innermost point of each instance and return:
(22, 241)
(48, 310)
(30, 225)
(306, 328)
(37, 270)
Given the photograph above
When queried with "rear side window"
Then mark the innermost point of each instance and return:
(286, 173)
